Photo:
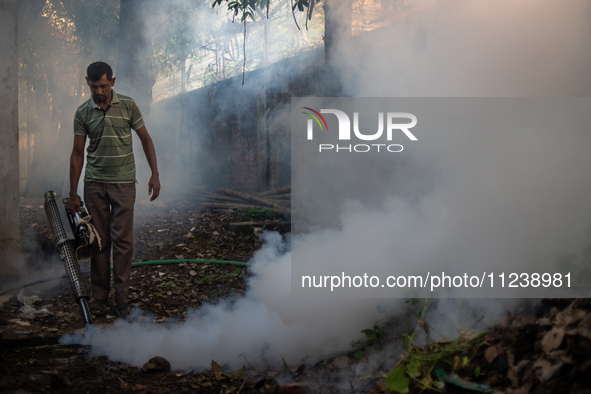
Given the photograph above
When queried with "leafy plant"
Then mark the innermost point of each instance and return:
(374, 334)
(477, 372)
(417, 368)
(218, 277)
(412, 301)
(397, 380)
(359, 354)
(205, 278)
(247, 8)
(236, 273)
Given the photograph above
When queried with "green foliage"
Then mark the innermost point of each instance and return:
(301, 5)
(178, 31)
(247, 8)
(236, 273)
(397, 380)
(412, 301)
(206, 278)
(255, 214)
(373, 337)
(57, 40)
(418, 367)
(420, 362)
(216, 277)
(374, 334)
(194, 30)
(359, 354)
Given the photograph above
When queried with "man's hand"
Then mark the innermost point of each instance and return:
(148, 145)
(154, 187)
(74, 205)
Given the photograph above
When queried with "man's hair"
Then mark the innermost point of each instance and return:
(96, 70)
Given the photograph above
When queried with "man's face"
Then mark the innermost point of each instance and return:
(101, 89)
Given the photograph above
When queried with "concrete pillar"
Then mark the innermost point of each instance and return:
(9, 165)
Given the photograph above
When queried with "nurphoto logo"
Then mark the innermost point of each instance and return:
(344, 132)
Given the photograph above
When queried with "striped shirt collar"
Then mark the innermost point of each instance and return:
(114, 100)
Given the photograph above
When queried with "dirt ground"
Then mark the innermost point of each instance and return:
(546, 351)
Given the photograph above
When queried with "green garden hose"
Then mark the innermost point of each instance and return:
(136, 264)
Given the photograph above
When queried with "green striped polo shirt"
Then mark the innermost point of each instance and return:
(109, 156)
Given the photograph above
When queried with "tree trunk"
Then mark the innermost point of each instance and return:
(29, 12)
(134, 71)
(337, 40)
(42, 177)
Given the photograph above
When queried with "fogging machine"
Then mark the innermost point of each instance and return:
(73, 241)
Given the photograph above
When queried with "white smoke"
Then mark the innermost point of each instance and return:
(477, 48)
(453, 48)
(262, 326)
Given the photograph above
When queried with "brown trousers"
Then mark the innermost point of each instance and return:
(111, 208)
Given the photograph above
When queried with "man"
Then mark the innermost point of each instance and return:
(106, 119)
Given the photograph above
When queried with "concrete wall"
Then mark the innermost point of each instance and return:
(234, 135)
(9, 163)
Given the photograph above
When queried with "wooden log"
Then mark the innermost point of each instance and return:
(285, 189)
(215, 197)
(252, 198)
(283, 203)
(284, 196)
(199, 200)
(217, 205)
(219, 197)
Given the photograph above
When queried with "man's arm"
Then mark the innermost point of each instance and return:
(148, 145)
(76, 163)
